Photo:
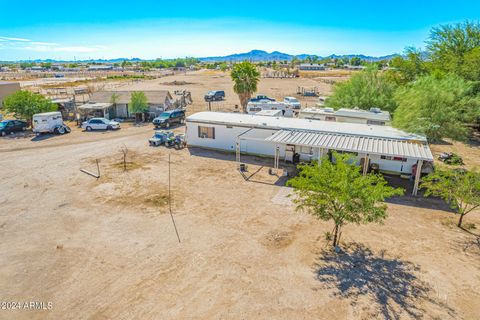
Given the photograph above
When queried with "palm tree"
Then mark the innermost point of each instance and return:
(245, 77)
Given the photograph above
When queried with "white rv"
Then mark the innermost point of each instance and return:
(49, 122)
(254, 107)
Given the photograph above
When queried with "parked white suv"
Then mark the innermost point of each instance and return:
(100, 124)
(292, 102)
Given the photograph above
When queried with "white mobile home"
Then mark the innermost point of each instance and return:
(256, 106)
(374, 116)
(394, 151)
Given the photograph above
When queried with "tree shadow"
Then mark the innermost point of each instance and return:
(392, 284)
(470, 246)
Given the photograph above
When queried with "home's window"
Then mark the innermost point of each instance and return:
(229, 127)
(306, 150)
(330, 118)
(393, 158)
(376, 122)
(206, 132)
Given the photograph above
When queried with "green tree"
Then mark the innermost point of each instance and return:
(138, 103)
(114, 100)
(245, 77)
(437, 107)
(340, 192)
(366, 89)
(24, 104)
(460, 189)
(449, 45)
(355, 61)
(470, 68)
(410, 67)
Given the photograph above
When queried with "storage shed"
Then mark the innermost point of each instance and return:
(392, 150)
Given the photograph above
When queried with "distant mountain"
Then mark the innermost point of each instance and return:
(254, 56)
(260, 55)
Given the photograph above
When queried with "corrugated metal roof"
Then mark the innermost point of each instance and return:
(360, 144)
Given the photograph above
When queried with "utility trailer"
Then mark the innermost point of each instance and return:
(49, 122)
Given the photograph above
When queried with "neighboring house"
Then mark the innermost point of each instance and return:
(100, 68)
(158, 101)
(311, 67)
(7, 88)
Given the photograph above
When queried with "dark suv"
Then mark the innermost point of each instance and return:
(168, 118)
(215, 96)
(10, 126)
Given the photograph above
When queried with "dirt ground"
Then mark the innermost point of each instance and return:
(107, 248)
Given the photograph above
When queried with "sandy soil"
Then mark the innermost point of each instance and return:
(107, 248)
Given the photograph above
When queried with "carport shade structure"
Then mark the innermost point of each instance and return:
(356, 143)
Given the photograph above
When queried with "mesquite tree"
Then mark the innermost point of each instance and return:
(339, 192)
(461, 189)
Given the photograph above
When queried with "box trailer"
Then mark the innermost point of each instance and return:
(49, 122)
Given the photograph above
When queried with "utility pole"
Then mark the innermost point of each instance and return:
(170, 199)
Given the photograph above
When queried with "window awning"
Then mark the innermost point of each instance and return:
(350, 143)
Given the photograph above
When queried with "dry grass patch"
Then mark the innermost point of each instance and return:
(278, 239)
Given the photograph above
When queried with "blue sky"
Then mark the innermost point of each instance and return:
(153, 29)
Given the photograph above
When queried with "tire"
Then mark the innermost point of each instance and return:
(55, 130)
(67, 129)
(88, 128)
(109, 128)
(61, 130)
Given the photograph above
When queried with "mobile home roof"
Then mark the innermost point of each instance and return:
(279, 123)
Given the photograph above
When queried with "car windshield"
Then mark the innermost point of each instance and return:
(211, 92)
(164, 115)
(2, 124)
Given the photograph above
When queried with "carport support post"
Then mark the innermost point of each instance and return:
(276, 160)
(321, 151)
(418, 173)
(365, 164)
(238, 152)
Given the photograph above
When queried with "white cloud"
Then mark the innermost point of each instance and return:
(20, 44)
(14, 39)
(44, 43)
